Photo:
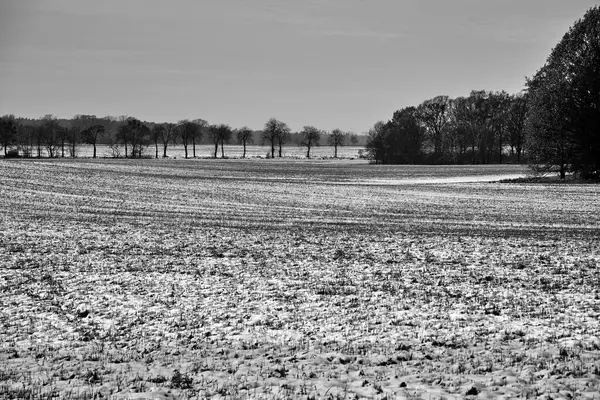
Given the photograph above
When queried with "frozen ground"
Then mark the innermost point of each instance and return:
(171, 279)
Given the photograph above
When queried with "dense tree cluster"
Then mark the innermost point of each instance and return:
(480, 129)
(563, 123)
(555, 122)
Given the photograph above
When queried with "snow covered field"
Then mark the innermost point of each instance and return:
(302, 279)
(231, 150)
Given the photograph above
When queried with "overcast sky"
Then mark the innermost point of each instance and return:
(329, 63)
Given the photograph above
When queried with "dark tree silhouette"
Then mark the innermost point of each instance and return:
(168, 134)
(275, 131)
(184, 135)
(226, 133)
(156, 133)
(50, 134)
(218, 135)
(82, 123)
(433, 114)
(495, 126)
(26, 138)
(399, 140)
(92, 134)
(197, 132)
(189, 130)
(551, 141)
(135, 133)
(72, 138)
(244, 135)
(122, 133)
(283, 135)
(405, 137)
(311, 137)
(563, 122)
(8, 132)
(63, 133)
(337, 138)
(376, 142)
(515, 123)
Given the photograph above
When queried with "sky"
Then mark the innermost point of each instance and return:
(328, 63)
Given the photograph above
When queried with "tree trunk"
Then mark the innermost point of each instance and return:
(308, 152)
(335, 151)
(222, 150)
(500, 144)
(185, 150)
(156, 146)
(194, 146)
(273, 149)
(165, 150)
(279, 149)
(216, 149)
(562, 158)
(482, 152)
(244, 155)
(94, 144)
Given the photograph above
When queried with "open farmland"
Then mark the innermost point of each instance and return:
(181, 279)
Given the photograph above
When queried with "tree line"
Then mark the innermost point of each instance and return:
(132, 138)
(554, 122)
(482, 128)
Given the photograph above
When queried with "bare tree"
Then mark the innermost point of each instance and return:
(38, 137)
(337, 139)
(72, 138)
(275, 131)
(63, 132)
(168, 134)
(311, 136)
(81, 123)
(156, 133)
(136, 134)
(92, 134)
(196, 133)
(189, 130)
(184, 135)
(244, 136)
(121, 133)
(219, 134)
(269, 134)
(213, 132)
(516, 117)
(50, 134)
(226, 133)
(283, 135)
(26, 137)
